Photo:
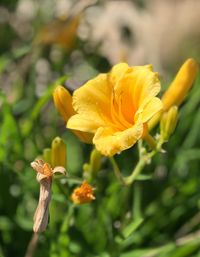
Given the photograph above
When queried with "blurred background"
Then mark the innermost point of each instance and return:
(70, 42)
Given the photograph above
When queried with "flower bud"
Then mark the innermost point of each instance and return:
(95, 160)
(168, 123)
(58, 152)
(178, 89)
(63, 102)
(47, 155)
(183, 81)
(86, 168)
(90, 169)
(83, 194)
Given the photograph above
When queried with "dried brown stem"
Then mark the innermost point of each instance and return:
(32, 245)
(42, 212)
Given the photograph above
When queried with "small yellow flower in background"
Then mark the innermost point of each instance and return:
(178, 89)
(116, 106)
(63, 102)
(60, 32)
(83, 194)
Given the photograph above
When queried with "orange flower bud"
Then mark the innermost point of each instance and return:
(83, 194)
(63, 102)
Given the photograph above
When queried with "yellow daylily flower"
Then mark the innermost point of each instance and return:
(178, 89)
(63, 102)
(116, 107)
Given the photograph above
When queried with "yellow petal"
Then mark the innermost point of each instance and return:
(151, 108)
(154, 120)
(109, 142)
(92, 102)
(63, 102)
(135, 89)
(118, 72)
(82, 123)
(84, 136)
(145, 85)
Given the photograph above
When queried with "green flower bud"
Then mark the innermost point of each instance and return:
(58, 152)
(168, 123)
(86, 168)
(90, 169)
(47, 155)
(95, 160)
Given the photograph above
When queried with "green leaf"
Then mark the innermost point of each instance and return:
(143, 177)
(127, 231)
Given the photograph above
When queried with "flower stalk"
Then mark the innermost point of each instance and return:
(44, 177)
(144, 159)
(150, 141)
(42, 212)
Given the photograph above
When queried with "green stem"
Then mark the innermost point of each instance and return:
(150, 141)
(144, 159)
(60, 187)
(117, 171)
(139, 167)
(67, 218)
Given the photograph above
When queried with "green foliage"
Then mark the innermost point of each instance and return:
(147, 218)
